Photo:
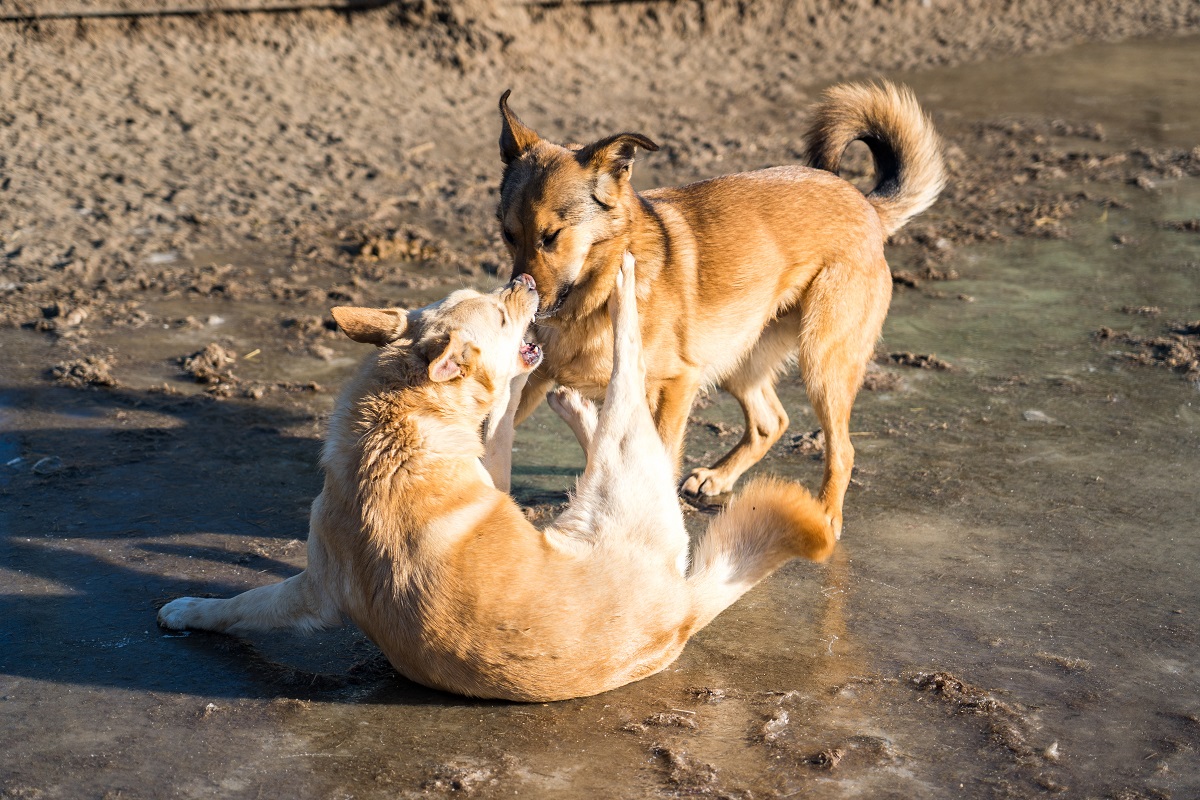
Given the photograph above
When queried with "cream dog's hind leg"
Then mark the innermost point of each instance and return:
(578, 412)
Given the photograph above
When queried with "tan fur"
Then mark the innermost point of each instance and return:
(410, 539)
(736, 275)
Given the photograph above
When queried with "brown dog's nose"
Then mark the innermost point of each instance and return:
(526, 279)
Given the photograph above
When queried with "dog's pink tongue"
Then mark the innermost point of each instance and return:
(530, 353)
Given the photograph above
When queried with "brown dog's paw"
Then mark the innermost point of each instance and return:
(835, 524)
(704, 482)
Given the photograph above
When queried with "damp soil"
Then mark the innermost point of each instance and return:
(1012, 611)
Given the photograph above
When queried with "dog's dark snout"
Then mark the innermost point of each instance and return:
(526, 279)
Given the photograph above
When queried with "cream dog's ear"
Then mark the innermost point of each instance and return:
(455, 360)
(377, 326)
(611, 159)
(515, 136)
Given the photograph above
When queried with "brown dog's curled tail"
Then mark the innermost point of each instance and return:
(771, 522)
(906, 149)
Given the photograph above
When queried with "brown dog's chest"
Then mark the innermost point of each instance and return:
(583, 363)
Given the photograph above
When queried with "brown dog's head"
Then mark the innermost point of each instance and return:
(563, 209)
(472, 340)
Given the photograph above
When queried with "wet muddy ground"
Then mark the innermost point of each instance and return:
(1012, 612)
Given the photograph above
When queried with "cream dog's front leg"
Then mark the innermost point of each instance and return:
(498, 434)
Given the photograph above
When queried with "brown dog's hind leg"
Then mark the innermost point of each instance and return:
(833, 355)
(753, 386)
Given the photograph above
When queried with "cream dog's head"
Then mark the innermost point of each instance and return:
(469, 345)
(558, 205)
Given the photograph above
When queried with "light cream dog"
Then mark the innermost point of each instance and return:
(410, 539)
(736, 275)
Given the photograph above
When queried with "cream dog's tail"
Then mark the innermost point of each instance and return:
(771, 522)
(907, 151)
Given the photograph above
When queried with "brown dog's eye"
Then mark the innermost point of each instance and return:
(548, 239)
(508, 237)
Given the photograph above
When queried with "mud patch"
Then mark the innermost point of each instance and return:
(1177, 349)
(1008, 724)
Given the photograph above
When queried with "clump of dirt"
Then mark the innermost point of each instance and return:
(83, 372)
(912, 280)
(59, 317)
(918, 361)
(210, 365)
(1145, 311)
(707, 694)
(774, 726)
(1187, 225)
(685, 773)
(932, 252)
(1177, 349)
(459, 778)
(959, 693)
(665, 719)
(810, 442)
(827, 759)
(880, 380)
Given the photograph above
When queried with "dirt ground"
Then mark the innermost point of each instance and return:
(181, 201)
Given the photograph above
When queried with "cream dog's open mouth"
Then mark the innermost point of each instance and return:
(531, 354)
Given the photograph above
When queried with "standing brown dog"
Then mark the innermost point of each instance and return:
(736, 275)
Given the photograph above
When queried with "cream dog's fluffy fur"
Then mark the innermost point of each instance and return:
(411, 540)
(736, 275)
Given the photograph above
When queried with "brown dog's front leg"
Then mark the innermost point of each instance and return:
(671, 401)
(532, 395)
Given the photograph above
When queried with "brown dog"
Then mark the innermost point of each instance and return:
(736, 275)
(410, 539)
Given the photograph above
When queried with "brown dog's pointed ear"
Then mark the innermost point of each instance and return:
(612, 161)
(459, 355)
(515, 137)
(377, 326)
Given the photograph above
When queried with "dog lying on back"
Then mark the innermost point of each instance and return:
(411, 540)
(737, 275)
